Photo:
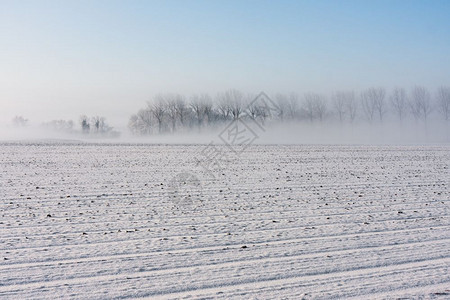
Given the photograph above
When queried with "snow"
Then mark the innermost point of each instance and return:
(96, 221)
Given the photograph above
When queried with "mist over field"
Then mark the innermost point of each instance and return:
(409, 132)
(344, 118)
(225, 149)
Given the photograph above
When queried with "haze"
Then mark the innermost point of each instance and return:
(63, 59)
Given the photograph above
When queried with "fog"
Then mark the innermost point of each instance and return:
(408, 132)
(110, 61)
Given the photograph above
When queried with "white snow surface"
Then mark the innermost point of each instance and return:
(101, 221)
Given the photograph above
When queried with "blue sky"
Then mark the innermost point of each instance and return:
(60, 59)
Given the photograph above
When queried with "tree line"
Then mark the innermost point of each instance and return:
(168, 113)
(95, 126)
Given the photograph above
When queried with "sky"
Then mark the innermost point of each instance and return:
(62, 59)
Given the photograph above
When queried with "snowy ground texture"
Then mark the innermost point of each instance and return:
(98, 221)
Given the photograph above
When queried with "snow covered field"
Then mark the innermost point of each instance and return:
(94, 221)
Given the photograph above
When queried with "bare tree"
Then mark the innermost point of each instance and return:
(379, 95)
(231, 104)
(208, 108)
(368, 105)
(253, 110)
(133, 125)
(314, 105)
(372, 101)
(142, 122)
(339, 104)
(351, 106)
(282, 106)
(98, 124)
(309, 106)
(158, 109)
(293, 106)
(19, 121)
(237, 103)
(256, 111)
(399, 102)
(202, 108)
(443, 102)
(420, 103)
(224, 106)
(414, 107)
(198, 109)
(182, 109)
(171, 110)
(320, 107)
(145, 117)
(85, 126)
